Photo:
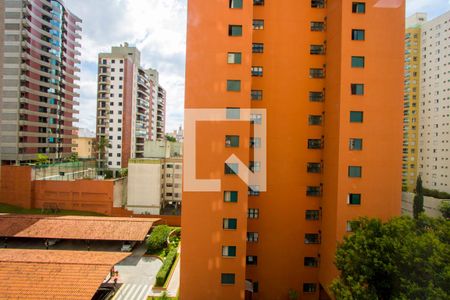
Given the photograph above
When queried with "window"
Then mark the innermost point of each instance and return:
(253, 190)
(233, 85)
(309, 287)
(258, 48)
(235, 3)
(229, 224)
(356, 144)
(316, 96)
(253, 213)
(257, 71)
(354, 199)
(234, 57)
(255, 118)
(318, 3)
(231, 169)
(314, 167)
(227, 278)
(232, 141)
(317, 49)
(255, 166)
(252, 237)
(312, 238)
(357, 89)
(251, 260)
(255, 142)
(235, 30)
(314, 144)
(356, 116)
(258, 24)
(317, 26)
(314, 120)
(258, 2)
(257, 95)
(354, 171)
(358, 34)
(313, 191)
(233, 113)
(312, 215)
(316, 73)
(357, 61)
(358, 7)
(310, 262)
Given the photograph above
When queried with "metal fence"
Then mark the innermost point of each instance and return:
(84, 169)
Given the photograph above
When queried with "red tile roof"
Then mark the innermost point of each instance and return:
(53, 274)
(75, 227)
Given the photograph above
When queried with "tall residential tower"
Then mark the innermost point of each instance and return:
(39, 43)
(329, 76)
(130, 106)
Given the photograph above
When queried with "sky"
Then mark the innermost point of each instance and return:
(158, 29)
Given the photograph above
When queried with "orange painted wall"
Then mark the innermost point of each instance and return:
(83, 195)
(286, 61)
(15, 186)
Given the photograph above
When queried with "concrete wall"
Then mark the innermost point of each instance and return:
(15, 186)
(144, 186)
(431, 205)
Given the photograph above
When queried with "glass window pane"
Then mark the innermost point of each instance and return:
(354, 171)
(357, 61)
(233, 85)
(235, 3)
(235, 30)
(356, 116)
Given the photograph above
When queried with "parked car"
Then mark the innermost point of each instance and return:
(127, 246)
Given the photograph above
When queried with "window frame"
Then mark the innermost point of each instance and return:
(358, 34)
(234, 58)
(227, 278)
(232, 30)
(232, 4)
(356, 117)
(355, 171)
(358, 62)
(356, 7)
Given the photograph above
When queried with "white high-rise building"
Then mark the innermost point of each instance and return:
(434, 120)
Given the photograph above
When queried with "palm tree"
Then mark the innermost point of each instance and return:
(101, 144)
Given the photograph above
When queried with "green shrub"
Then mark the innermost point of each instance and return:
(158, 238)
(166, 267)
(436, 194)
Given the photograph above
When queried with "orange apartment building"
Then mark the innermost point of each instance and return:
(330, 76)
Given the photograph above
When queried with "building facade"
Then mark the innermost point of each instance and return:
(128, 106)
(328, 75)
(39, 50)
(411, 100)
(434, 121)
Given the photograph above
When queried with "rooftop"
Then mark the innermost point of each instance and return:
(52, 274)
(75, 227)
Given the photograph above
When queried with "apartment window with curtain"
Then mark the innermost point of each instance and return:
(227, 278)
(232, 141)
(234, 57)
(313, 191)
(253, 213)
(317, 26)
(354, 171)
(255, 118)
(257, 47)
(251, 260)
(355, 144)
(258, 2)
(230, 224)
(314, 167)
(356, 116)
(252, 237)
(230, 196)
(229, 251)
(256, 94)
(314, 120)
(318, 3)
(309, 287)
(357, 89)
(258, 24)
(358, 34)
(235, 3)
(310, 261)
(317, 49)
(314, 144)
(316, 96)
(312, 215)
(358, 7)
(257, 71)
(312, 238)
(358, 61)
(235, 30)
(316, 73)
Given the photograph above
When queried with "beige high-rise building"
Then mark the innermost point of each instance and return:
(434, 116)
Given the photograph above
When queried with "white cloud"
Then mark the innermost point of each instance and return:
(156, 27)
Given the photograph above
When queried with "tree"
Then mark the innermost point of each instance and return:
(170, 138)
(445, 209)
(42, 159)
(101, 145)
(73, 157)
(418, 199)
(404, 258)
(293, 294)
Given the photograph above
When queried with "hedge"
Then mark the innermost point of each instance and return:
(158, 238)
(166, 267)
(436, 194)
